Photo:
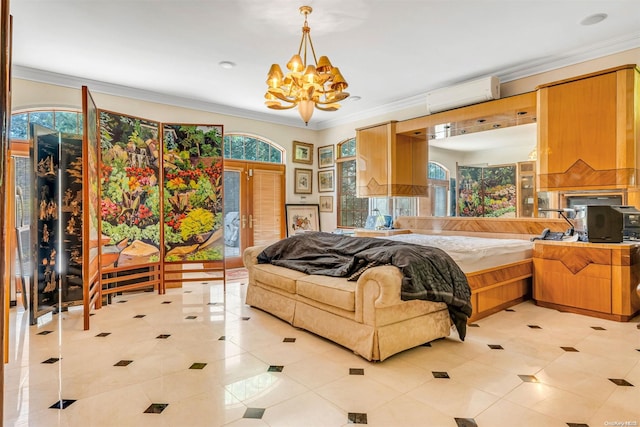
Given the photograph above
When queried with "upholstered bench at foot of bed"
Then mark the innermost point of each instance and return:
(366, 316)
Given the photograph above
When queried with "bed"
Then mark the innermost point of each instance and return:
(499, 271)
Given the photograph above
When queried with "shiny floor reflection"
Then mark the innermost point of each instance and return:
(198, 356)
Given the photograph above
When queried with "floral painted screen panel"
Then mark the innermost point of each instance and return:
(130, 197)
(193, 191)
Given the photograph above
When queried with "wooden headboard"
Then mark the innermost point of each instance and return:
(508, 228)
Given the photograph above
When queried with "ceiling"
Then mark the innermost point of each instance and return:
(390, 51)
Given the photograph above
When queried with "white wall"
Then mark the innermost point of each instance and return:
(29, 94)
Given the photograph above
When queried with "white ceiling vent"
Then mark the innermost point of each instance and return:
(472, 92)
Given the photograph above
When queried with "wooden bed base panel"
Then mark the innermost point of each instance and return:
(497, 288)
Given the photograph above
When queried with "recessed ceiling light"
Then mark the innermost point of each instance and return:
(594, 19)
(227, 64)
(355, 98)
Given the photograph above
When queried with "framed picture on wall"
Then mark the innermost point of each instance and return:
(302, 218)
(325, 181)
(325, 156)
(302, 152)
(303, 181)
(326, 203)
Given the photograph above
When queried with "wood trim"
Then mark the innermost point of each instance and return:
(586, 76)
(581, 175)
(497, 227)
(502, 111)
(585, 312)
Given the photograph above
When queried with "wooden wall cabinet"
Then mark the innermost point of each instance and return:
(389, 164)
(587, 278)
(588, 130)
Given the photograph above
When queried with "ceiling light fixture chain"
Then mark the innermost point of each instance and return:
(319, 85)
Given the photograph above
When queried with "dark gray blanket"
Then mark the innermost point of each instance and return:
(429, 273)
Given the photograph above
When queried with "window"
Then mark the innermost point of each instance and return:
(352, 210)
(438, 189)
(60, 120)
(247, 147)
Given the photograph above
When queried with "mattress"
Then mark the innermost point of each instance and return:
(473, 254)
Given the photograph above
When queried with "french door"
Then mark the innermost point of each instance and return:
(254, 196)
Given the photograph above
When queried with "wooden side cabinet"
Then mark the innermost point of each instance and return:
(588, 131)
(594, 279)
(526, 192)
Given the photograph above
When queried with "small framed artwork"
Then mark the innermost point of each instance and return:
(326, 203)
(303, 181)
(325, 156)
(325, 181)
(302, 218)
(302, 152)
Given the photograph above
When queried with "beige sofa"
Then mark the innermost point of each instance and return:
(366, 316)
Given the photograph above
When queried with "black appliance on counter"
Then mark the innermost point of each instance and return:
(608, 223)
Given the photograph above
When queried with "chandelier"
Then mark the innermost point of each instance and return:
(305, 85)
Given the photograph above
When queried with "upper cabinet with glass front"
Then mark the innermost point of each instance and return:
(587, 131)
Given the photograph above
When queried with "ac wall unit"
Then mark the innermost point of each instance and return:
(472, 92)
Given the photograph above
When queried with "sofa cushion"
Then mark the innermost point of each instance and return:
(277, 277)
(334, 291)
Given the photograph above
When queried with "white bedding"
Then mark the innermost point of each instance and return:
(473, 253)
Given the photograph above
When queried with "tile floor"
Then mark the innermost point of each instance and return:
(199, 357)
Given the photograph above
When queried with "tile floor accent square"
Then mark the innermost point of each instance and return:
(191, 317)
(245, 318)
(163, 336)
(156, 408)
(534, 326)
(139, 316)
(356, 371)
(187, 292)
(44, 333)
(357, 418)
(62, 404)
(621, 382)
(577, 425)
(427, 344)
(529, 378)
(254, 413)
(51, 360)
(122, 301)
(570, 349)
(275, 368)
(473, 325)
(466, 422)
(198, 365)
(440, 374)
(289, 340)
(222, 338)
(103, 334)
(496, 347)
(124, 363)
(598, 328)
(510, 309)
(166, 302)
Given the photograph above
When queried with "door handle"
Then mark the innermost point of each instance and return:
(250, 221)
(244, 221)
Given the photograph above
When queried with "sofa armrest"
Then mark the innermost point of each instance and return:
(250, 255)
(377, 287)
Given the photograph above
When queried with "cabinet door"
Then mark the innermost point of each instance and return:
(577, 134)
(372, 160)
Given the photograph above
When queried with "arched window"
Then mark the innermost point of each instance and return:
(437, 171)
(65, 121)
(247, 147)
(352, 210)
